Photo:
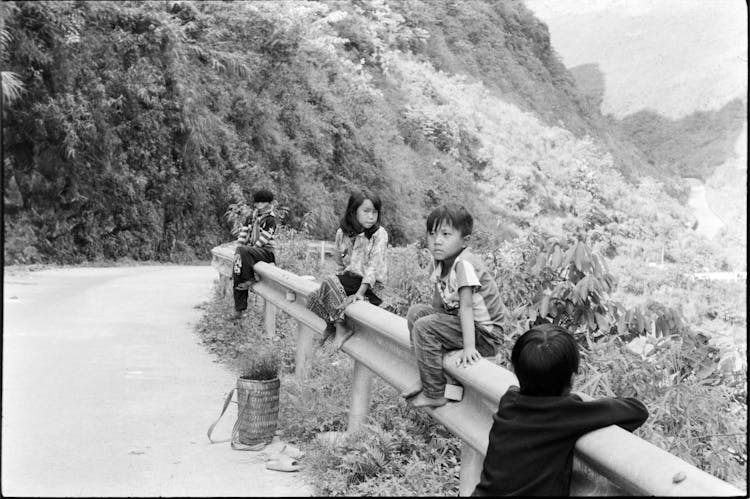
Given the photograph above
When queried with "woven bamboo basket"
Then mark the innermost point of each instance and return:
(258, 413)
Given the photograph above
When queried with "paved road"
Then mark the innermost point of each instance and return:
(107, 391)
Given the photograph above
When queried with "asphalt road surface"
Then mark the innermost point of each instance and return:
(108, 392)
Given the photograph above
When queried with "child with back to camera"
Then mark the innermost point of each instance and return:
(361, 244)
(466, 309)
(535, 429)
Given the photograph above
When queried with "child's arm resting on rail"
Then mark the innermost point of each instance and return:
(469, 354)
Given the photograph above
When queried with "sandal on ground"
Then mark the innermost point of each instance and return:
(283, 463)
(292, 451)
(279, 448)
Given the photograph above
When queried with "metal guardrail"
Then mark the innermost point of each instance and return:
(381, 346)
(718, 276)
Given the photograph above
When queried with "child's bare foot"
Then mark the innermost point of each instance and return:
(412, 390)
(329, 331)
(341, 336)
(423, 400)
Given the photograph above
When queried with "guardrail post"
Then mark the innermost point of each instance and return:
(225, 284)
(471, 468)
(304, 351)
(269, 313)
(361, 396)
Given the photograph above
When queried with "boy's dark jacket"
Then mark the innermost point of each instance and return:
(531, 442)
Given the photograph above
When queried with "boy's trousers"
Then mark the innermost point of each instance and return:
(432, 333)
(244, 259)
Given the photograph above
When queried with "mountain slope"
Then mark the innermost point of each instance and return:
(162, 115)
(673, 74)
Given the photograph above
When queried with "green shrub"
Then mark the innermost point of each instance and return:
(407, 281)
(697, 408)
(259, 365)
(693, 413)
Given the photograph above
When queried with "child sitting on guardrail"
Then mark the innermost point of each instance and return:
(535, 428)
(255, 245)
(466, 308)
(361, 244)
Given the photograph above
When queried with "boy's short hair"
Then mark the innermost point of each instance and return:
(457, 216)
(544, 359)
(262, 196)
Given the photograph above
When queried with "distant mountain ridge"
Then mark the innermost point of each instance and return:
(673, 75)
(671, 57)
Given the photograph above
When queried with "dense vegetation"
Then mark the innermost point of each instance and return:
(694, 387)
(696, 145)
(139, 122)
(132, 129)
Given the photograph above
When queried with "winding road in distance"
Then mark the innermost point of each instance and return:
(708, 223)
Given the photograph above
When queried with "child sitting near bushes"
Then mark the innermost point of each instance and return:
(535, 428)
(361, 243)
(255, 245)
(466, 309)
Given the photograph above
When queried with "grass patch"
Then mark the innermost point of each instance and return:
(401, 451)
(696, 412)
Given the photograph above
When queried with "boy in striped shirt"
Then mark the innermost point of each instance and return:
(255, 245)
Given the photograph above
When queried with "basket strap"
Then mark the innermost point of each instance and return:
(223, 410)
(236, 444)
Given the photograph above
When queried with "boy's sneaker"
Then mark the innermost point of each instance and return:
(237, 315)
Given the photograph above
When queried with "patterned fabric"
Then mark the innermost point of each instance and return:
(327, 302)
(469, 270)
(362, 256)
(259, 229)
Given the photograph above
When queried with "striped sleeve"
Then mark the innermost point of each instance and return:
(266, 231)
(244, 234)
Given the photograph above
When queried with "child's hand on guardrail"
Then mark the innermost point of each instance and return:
(467, 357)
(352, 298)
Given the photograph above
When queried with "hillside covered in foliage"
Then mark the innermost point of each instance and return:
(140, 123)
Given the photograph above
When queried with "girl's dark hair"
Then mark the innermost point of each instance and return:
(349, 223)
(262, 196)
(544, 359)
(457, 216)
